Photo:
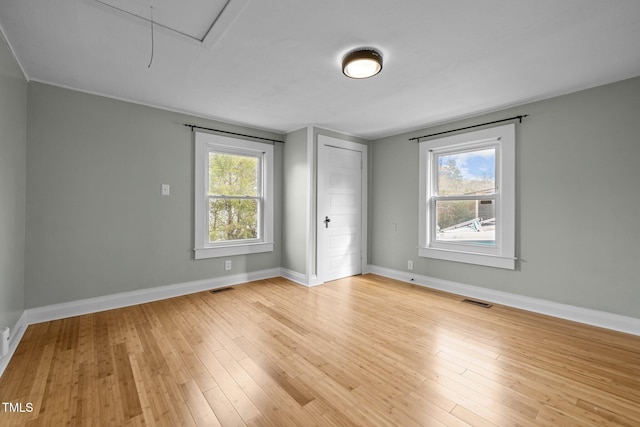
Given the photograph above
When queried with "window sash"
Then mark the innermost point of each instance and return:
(259, 219)
(470, 147)
(452, 243)
(259, 198)
(462, 246)
(491, 196)
(436, 155)
(258, 158)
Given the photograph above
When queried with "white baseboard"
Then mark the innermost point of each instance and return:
(125, 299)
(299, 278)
(17, 332)
(294, 276)
(603, 319)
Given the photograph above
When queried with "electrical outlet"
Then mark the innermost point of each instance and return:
(410, 265)
(227, 264)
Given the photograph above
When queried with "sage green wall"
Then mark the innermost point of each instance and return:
(96, 222)
(578, 202)
(295, 197)
(97, 225)
(13, 143)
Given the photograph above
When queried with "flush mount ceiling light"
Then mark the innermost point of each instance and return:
(362, 63)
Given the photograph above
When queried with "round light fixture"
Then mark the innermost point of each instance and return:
(362, 63)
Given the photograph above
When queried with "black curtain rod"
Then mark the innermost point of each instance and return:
(417, 138)
(232, 133)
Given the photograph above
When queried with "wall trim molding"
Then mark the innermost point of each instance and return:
(125, 299)
(310, 206)
(602, 319)
(294, 276)
(17, 332)
(299, 278)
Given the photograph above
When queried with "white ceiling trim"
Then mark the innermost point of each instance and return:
(13, 53)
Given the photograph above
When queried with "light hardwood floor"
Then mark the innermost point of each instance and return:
(359, 351)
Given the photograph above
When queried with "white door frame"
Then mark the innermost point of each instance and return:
(323, 141)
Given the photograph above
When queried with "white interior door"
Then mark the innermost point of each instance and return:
(340, 208)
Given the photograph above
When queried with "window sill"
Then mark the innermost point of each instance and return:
(497, 261)
(221, 251)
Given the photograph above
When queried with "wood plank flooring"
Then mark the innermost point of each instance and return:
(364, 350)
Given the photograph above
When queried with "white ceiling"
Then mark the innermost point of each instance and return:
(275, 64)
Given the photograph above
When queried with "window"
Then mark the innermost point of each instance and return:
(233, 196)
(467, 198)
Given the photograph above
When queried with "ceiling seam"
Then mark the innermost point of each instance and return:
(215, 20)
(166, 27)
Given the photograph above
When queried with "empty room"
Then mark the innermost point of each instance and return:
(339, 213)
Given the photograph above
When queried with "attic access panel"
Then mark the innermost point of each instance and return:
(190, 18)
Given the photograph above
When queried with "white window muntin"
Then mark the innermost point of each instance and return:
(504, 254)
(205, 143)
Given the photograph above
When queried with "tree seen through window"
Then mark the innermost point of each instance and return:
(234, 196)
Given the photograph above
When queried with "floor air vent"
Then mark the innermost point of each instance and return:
(216, 291)
(478, 303)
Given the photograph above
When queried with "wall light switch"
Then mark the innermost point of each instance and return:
(166, 188)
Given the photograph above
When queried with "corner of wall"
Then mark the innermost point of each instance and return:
(13, 147)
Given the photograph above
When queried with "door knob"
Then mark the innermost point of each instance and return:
(327, 220)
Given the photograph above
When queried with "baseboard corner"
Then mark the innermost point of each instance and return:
(17, 332)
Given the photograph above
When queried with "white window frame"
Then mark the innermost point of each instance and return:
(204, 144)
(502, 255)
